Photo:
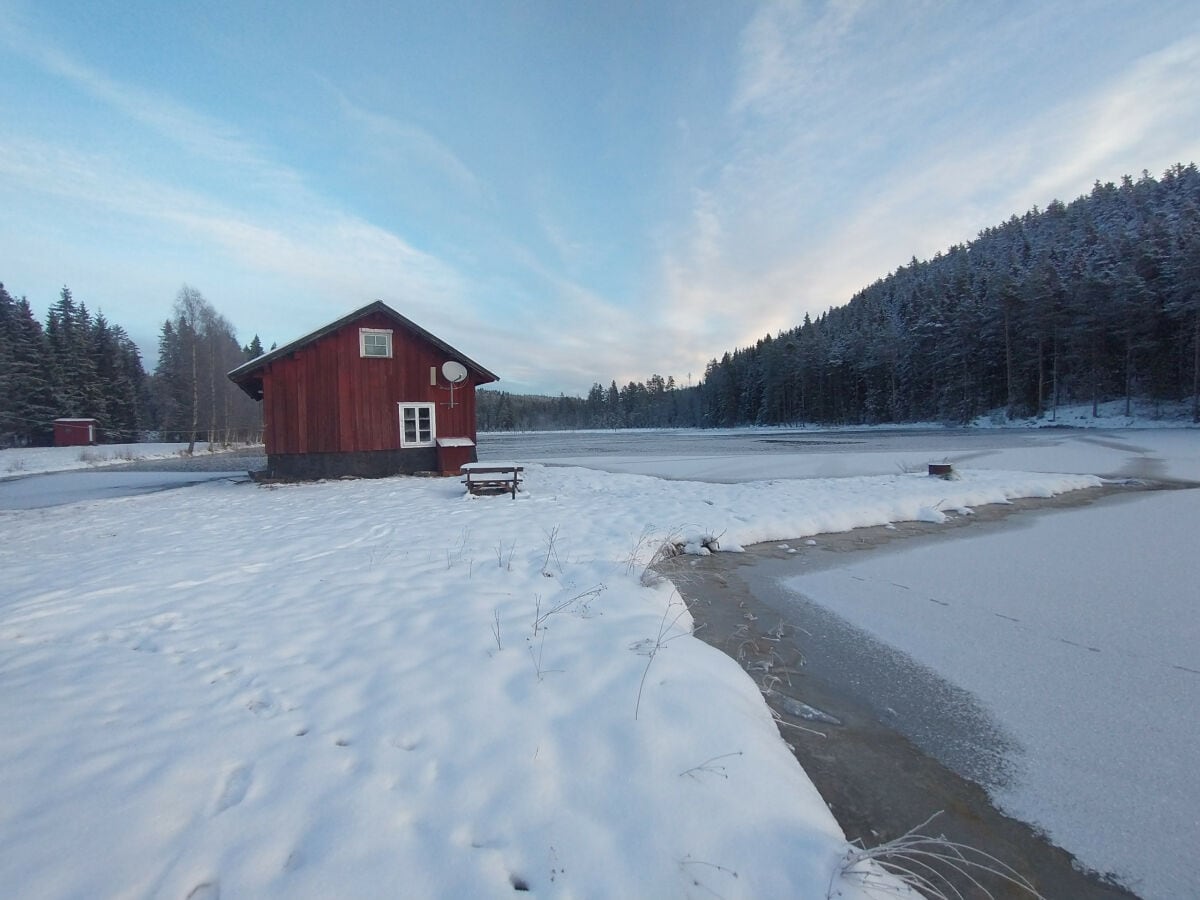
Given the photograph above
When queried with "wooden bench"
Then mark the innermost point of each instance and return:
(493, 478)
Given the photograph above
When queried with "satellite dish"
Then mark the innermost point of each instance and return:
(454, 372)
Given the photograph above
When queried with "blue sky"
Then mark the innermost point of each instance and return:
(567, 192)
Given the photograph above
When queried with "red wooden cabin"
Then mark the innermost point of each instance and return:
(74, 432)
(371, 394)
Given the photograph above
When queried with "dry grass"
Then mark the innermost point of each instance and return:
(920, 862)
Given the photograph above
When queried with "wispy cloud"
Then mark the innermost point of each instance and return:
(1150, 113)
(197, 134)
(809, 208)
(786, 49)
(571, 252)
(328, 251)
(268, 223)
(732, 271)
(1145, 117)
(544, 332)
(406, 143)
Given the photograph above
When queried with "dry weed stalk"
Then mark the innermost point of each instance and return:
(913, 859)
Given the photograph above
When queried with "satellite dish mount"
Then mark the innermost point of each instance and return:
(455, 373)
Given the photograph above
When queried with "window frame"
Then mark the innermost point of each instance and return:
(419, 406)
(364, 333)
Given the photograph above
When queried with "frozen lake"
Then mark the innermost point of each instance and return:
(60, 488)
(764, 454)
(1076, 631)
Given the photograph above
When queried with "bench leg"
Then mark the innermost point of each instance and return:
(493, 486)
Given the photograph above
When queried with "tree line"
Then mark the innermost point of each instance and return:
(80, 365)
(197, 347)
(655, 403)
(1081, 302)
(1084, 301)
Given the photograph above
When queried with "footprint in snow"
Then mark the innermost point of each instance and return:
(208, 890)
(263, 707)
(226, 674)
(429, 774)
(164, 621)
(237, 783)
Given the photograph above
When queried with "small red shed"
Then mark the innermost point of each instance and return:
(371, 394)
(74, 432)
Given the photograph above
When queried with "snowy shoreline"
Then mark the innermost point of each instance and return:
(814, 665)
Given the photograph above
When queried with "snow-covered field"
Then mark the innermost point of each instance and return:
(387, 688)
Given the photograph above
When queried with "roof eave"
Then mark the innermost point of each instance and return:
(247, 369)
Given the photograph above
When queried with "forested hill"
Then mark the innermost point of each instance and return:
(1090, 300)
(1081, 302)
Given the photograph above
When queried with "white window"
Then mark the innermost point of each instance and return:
(417, 427)
(375, 342)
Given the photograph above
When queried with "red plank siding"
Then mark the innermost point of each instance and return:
(325, 397)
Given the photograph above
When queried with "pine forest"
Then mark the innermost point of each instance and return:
(79, 365)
